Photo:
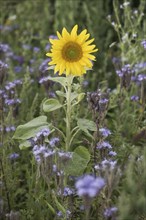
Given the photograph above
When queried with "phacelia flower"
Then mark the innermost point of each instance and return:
(105, 132)
(89, 185)
(13, 156)
(134, 98)
(106, 165)
(110, 212)
(71, 53)
(143, 43)
(103, 145)
(112, 153)
(66, 191)
(54, 141)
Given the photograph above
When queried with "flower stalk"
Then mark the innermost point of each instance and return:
(68, 112)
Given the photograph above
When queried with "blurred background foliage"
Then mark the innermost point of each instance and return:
(33, 21)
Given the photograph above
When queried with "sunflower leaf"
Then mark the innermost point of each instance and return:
(51, 105)
(30, 129)
(60, 80)
(85, 124)
(79, 161)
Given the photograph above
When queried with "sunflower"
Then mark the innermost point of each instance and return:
(71, 53)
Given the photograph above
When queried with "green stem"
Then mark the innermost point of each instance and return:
(74, 136)
(68, 113)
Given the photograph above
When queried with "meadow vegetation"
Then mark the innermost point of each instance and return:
(73, 147)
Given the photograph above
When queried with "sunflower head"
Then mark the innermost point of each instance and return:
(71, 53)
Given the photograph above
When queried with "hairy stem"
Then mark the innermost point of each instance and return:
(68, 113)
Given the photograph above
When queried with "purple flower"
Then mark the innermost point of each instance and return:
(43, 133)
(140, 66)
(103, 101)
(17, 69)
(60, 173)
(105, 132)
(106, 164)
(36, 49)
(17, 82)
(4, 48)
(43, 79)
(141, 77)
(44, 66)
(13, 156)
(67, 214)
(65, 155)
(54, 37)
(125, 70)
(54, 141)
(3, 66)
(10, 85)
(85, 83)
(8, 129)
(19, 59)
(89, 185)
(54, 168)
(47, 48)
(112, 153)
(134, 98)
(41, 151)
(52, 94)
(2, 92)
(143, 43)
(116, 60)
(12, 101)
(109, 212)
(67, 191)
(49, 153)
(103, 145)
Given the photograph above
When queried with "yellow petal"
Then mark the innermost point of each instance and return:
(95, 50)
(91, 57)
(52, 40)
(65, 33)
(49, 54)
(88, 42)
(67, 68)
(52, 63)
(62, 68)
(57, 67)
(87, 62)
(78, 68)
(74, 32)
(88, 48)
(82, 38)
(59, 35)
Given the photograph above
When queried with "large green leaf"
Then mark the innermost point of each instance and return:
(24, 145)
(30, 129)
(85, 124)
(51, 105)
(79, 162)
(61, 80)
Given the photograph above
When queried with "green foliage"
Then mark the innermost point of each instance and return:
(33, 189)
(30, 129)
(86, 125)
(51, 105)
(132, 200)
(79, 162)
